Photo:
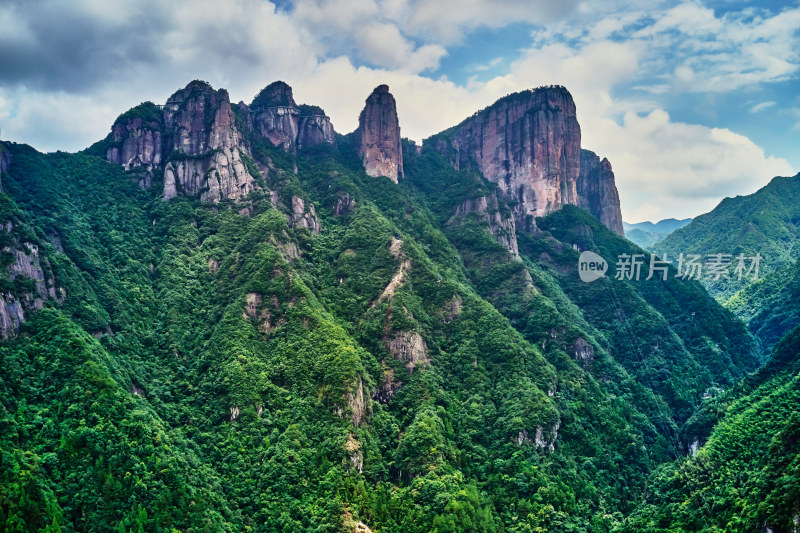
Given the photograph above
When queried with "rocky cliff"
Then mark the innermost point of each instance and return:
(205, 146)
(136, 138)
(378, 136)
(200, 142)
(314, 127)
(529, 143)
(597, 191)
(501, 225)
(278, 118)
(5, 162)
(275, 115)
(28, 281)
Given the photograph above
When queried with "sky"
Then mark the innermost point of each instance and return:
(690, 101)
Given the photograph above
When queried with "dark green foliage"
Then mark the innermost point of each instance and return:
(771, 305)
(214, 368)
(766, 222)
(747, 476)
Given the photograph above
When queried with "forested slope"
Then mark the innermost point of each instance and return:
(380, 355)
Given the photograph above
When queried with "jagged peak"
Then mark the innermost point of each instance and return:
(526, 94)
(308, 110)
(147, 111)
(194, 88)
(276, 94)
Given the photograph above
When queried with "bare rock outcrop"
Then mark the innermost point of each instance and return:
(597, 191)
(304, 217)
(344, 205)
(378, 136)
(5, 162)
(277, 117)
(390, 384)
(205, 158)
(136, 138)
(501, 225)
(314, 127)
(27, 264)
(410, 348)
(357, 403)
(583, 351)
(529, 143)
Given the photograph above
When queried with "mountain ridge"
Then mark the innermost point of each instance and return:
(330, 347)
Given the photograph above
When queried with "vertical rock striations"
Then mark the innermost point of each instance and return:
(275, 115)
(201, 142)
(136, 138)
(278, 118)
(5, 162)
(205, 158)
(597, 192)
(314, 127)
(501, 225)
(529, 143)
(378, 136)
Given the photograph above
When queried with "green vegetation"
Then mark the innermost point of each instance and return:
(747, 477)
(218, 368)
(766, 222)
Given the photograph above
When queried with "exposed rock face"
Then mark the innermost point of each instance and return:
(378, 136)
(357, 403)
(200, 145)
(389, 386)
(5, 162)
(26, 264)
(597, 191)
(11, 316)
(314, 128)
(547, 441)
(583, 351)
(304, 218)
(353, 449)
(275, 115)
(344, 205)
(205, 158)
(529, 143)
(137, 139)
(502, 226)
(410, 348)
(278, 118)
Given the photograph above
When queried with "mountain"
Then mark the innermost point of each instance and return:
(214, 320)
(529, 144)
(766, 223)
(646, 234)
(770, 306)
(747, 476)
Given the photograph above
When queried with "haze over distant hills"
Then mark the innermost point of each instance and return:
(646, 234)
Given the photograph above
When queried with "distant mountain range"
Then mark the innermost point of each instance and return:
(646, 234)
(766, 222)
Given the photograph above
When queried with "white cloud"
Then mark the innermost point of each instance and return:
(762, 106)
(447, 22)
(53, 118)
(665, 168)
